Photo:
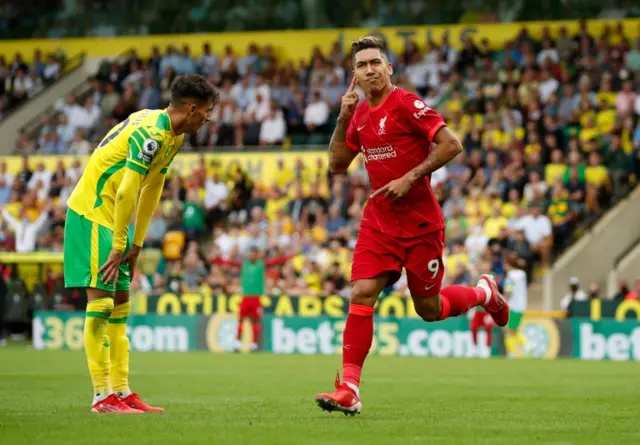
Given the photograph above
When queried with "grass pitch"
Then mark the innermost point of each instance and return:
(268, 399)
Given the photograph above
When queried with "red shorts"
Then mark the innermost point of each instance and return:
(250, 307)
(377, 252)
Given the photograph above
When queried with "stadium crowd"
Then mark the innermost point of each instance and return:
(549, 125)
(103, 18)
(20, 81)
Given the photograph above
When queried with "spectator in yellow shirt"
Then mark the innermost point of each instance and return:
(596, 174)
(477, 202)
(313, 277)
(556, 168)
(321, 168)
(455, 103)
(283, 175)
(606, 117)
(510, 208)
(276, 201)
(627, 136)
(458, 255)
(495, 223)
(605, 94)
(301, 172)
(493, 133)
(533, 144)
(589, 132)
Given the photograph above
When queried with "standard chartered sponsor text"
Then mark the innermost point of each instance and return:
(379, 153)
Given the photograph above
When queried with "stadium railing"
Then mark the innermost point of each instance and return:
(626, 267)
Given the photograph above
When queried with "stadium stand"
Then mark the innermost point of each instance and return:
(549, 124)
(102, 18)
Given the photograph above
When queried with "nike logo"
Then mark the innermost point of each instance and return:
(360, 128)
(429, 287)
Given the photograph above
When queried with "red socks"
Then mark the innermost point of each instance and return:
(256, 332)
(358, 335)
(254, 326)
(240, 329)
(358, 332)
(457, 300)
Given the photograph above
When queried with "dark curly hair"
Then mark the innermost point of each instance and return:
(193, 86)
(366, 43)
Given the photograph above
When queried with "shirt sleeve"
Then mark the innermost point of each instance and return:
(8, 217)
(278, 261)
(144, 144)
(352, 136)
(125, 205)
(147, 204)
(224, 262)
(421, 118)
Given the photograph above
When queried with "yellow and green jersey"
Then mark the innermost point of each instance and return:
(143, 143)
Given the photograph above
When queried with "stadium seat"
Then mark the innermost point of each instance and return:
(15, 303)
(173, 244)
(317, 139)
(39, 298)
(148, 261)
(298, 139)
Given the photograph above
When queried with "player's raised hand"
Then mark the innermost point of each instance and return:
(349, 101)
(395, 189)
(109, 269)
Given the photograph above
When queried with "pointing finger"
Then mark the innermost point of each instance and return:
(377, 192)
(352, 86)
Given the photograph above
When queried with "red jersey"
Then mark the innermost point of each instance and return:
(394, 137)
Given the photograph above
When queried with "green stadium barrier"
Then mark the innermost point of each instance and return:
(64, 330)
(611, 309)
(546, 338)
(606, 340)
(397, 337)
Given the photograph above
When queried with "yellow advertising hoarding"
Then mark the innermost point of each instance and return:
(259, 165)
(296, 45)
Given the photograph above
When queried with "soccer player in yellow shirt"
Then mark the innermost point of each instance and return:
(133, 157)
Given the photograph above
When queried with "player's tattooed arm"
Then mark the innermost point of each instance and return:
(340, 156)
(448, 147)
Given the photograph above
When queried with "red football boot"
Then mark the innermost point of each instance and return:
(343, 399)
(134, 401)
(114, 405)
(497, 306)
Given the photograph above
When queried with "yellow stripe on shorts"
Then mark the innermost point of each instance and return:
(94, 254)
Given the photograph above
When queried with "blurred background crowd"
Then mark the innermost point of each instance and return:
(103, 18)
(549, 125)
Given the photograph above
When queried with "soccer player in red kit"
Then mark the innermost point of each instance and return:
(402, 224)
(481, 320)
(252, 281)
